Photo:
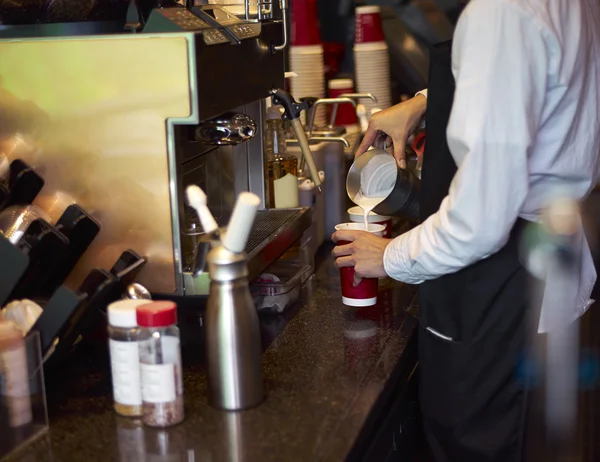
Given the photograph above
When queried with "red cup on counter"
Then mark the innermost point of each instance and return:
(356, 215)
(365, 292)
(305, 23)
(368, 28)
(346, 114)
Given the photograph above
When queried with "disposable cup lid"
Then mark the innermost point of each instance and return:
(341, 84)
(306, 49)
(122, 313)
(370, 46)
(368, 9)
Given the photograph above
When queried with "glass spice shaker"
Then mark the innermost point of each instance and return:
(160, 364)
(125, 356)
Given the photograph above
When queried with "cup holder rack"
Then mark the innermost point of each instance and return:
(37, 266)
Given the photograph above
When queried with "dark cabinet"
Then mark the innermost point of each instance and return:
(396, 438)
(391, 432)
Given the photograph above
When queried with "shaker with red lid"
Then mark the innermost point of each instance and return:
(160, 364)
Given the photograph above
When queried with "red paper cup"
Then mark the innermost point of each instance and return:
(356, 215)
(305, 23)
(368, 25)
(346, 114)
(382, 313)
(333, 54)
(365, 293)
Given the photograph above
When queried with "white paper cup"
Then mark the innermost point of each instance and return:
(356, 215)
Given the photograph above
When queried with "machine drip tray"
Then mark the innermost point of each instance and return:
(269, 222)
(273, 233)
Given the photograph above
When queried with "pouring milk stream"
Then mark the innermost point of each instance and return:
(377, 180)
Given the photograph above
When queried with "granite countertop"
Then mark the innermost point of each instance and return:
(320, 389)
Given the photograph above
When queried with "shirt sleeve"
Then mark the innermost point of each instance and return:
(500, 63)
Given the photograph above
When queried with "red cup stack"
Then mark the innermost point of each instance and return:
(346, 114)
(371, 57)
(306, 55)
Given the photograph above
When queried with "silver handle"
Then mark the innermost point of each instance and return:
(315, 140)
(327, 102)
(284, 11)
(359, 96)
(323, 139)
(356, 97)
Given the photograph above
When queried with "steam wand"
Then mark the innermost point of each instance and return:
(292, 111)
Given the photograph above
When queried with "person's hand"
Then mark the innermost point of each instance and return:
(364, 253)
(395, 124)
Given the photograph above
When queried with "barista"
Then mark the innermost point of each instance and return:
(512, 113)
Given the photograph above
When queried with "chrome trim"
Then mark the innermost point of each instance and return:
(437, 334)
(328, 102)
(172, 161)
(285, 13)
(255, 153)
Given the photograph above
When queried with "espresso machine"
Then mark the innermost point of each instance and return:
(123, 122)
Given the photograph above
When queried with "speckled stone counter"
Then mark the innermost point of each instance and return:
(321, 388)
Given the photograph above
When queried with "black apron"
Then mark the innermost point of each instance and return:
(473, 322)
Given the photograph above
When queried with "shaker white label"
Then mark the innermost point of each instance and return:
(158, 383)
(172, 354)
(125, 366)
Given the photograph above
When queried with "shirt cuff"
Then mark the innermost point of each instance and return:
(422, 92)
(396, 258)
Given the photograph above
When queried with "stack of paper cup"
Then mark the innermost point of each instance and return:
(306, 55)
(371, 57)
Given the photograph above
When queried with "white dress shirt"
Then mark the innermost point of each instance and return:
(525, 120)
